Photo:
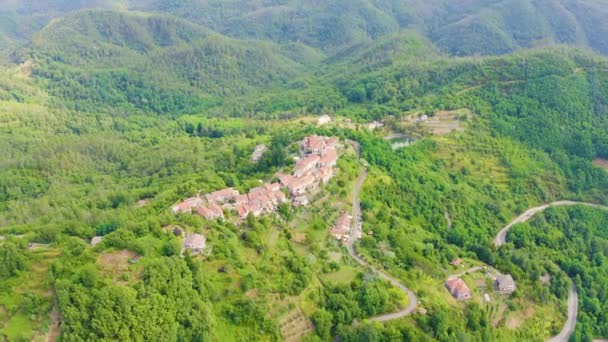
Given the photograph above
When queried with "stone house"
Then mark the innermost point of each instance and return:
(195, 243)
(458, 288)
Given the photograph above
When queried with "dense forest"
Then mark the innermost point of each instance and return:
(463, 29)
(113, 111)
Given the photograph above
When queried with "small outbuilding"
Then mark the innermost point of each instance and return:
(456, 262)
(323, 119)
(504, 283)
(96, 240)
(195, 243)
(258, 152)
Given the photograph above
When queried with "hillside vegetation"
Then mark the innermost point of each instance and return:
(478, 26)
(111, 116)
(473, 27)
(150, 62)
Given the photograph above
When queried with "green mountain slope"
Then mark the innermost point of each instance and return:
(458, 28)
(83, 153)
(472, 27)
(150, 61)
(539, 119)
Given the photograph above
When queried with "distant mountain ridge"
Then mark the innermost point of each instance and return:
(457, 28)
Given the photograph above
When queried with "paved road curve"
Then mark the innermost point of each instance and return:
(502, 235)
(570, 325)
(356, 235)
(501, 238)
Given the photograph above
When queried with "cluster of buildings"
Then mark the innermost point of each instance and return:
(503, 284)
(258, 152)
(211, 206)
(314, 168)
(260, 200)
(341, 230)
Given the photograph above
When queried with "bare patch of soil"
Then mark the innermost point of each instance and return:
(142, 202)
(516, 319)
(54, 328)
(498, 316)
(603, 163)
(299, 238)
(253, 293)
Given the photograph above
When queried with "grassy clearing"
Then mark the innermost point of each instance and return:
(344, 275)
(295, 325)
(19, 328)
(117, 266)
(27, 299)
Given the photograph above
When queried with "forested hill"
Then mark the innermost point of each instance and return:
(150, 62)
(20, 19)
(112, 112)
(458, 28)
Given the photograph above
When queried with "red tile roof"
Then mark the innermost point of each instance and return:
(285, 179)
(307, 163)
(216, 209)
(329, 156)
(458, 288)
(300, 185)
(242, 210)
(222, 195)
(210, 212)
(187, 205)
(205, 212)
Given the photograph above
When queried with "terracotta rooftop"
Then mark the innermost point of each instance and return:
(328, 156)
(307, 162)
(299, 184)
(458, 288)
(222, 195)
(285, 179)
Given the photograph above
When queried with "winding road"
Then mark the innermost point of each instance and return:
(502, 235)
(570, 324)
(501, 238)
(356, 235)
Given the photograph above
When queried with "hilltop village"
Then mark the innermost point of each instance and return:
(314, 168)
